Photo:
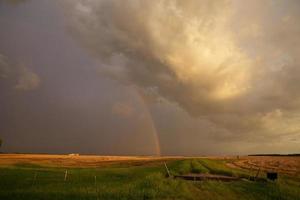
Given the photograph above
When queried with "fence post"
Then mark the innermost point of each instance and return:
(169, 175)
(34, 178)
(66, 175)
(257, 173)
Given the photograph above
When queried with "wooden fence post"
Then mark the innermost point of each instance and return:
(34, 178)
(66, 175)
(169, 175)
(257, 173)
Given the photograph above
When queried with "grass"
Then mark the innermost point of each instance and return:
(25, 181)
(219, 167)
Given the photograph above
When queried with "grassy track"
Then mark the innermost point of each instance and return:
(119, 181)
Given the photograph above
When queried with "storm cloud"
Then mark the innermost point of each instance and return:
(166, 77)
(233, 63)
(17, 75)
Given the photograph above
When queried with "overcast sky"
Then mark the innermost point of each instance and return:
(161, 77)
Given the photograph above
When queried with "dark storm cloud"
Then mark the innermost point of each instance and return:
(71, 108)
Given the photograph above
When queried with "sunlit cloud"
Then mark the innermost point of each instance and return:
(234, 63)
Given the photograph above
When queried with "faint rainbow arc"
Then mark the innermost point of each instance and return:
(150, 120)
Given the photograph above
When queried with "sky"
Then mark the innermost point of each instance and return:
(163, 77)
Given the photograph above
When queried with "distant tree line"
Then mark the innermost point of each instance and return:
(292, 154)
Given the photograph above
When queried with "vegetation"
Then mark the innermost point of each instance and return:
(148, 181)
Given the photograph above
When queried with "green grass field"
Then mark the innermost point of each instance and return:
(146, 181)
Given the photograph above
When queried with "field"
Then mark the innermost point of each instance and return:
(111, 177)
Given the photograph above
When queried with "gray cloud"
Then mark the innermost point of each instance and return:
(234, 64)
(122, 109)
(13, 2)
(27, 80)
(17, 76)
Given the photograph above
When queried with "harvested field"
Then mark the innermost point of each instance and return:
(282, 164)
(76, 160)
